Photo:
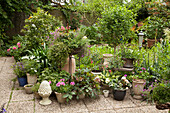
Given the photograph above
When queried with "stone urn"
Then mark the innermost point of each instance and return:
(107, 58)
(45, 91)
(128, 62)
(60, 98)
(106, 93)
(31, 79)
(28, 88)
(138, 86)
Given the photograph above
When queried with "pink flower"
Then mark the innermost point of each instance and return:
(110, 71)
(62, 83)
(8, 50)
(18, 43)
(49, 82)
(12, 56)
(133, 72)
(144, 83)
(125, 75)
(14, 48)
(58, 84)
(136, 85)
(140, 71)
(72, 83)
(62, 28)
(106, 66)
(62, 79)
(91, 61)
(19, 46)
(145, 71)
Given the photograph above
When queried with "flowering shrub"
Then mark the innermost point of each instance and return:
(141, 74)
(16, 51)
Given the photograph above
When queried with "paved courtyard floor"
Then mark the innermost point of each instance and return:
(17, 101)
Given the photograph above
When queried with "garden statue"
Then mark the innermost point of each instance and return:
(45, 91)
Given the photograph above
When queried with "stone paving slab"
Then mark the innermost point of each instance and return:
(20, 95)
(130, 110)
(100, 103)
(152, 109)
(21, 107)
(74, 106)
(52, 108)
(103, 111)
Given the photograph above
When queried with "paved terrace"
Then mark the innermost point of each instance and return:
(17, 101)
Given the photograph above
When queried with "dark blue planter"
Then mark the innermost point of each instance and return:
(22, 81)
(119, 94)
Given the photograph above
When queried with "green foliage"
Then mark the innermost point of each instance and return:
(38, 27)
(35, 87)
(154, 26)
(161, 93)
(32, 67)
(115, 24)
(57, 54)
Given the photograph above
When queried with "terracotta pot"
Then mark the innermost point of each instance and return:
(151, 42)
(138, 85)
(128, 62)
(28, 88)
(31, 79)
(60, 98)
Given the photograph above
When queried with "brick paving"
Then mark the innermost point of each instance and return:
(17, 101)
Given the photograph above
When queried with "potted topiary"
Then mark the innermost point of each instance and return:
(19, 70)
(119, 85)
(115, 24)
(32, 70)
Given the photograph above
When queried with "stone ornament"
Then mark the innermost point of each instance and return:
(45, 91)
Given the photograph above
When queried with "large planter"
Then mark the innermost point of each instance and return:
(107, 58)
(60, 98)
(67, 67)
(128, 62)
(163, 106)
(150, 42)
(31, 79)
(138, 85)
(22, 81)
(28, 88)
(119, 94)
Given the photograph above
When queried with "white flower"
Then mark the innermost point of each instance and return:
(33, 25)
(123, 78)
(84, 37)
(126, 87)
(126, 81)
(107, 80)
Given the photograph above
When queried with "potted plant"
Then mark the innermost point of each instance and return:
(19, 70)
(86, 84)
(129, 55)
(119, 85)
(35, 90)
(28, 88)
(32, 70)
(161, 95)
(63, 90)
(139, 81)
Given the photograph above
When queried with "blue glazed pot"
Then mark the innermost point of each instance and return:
(22, 81)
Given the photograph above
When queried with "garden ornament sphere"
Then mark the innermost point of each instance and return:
(45, 91)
